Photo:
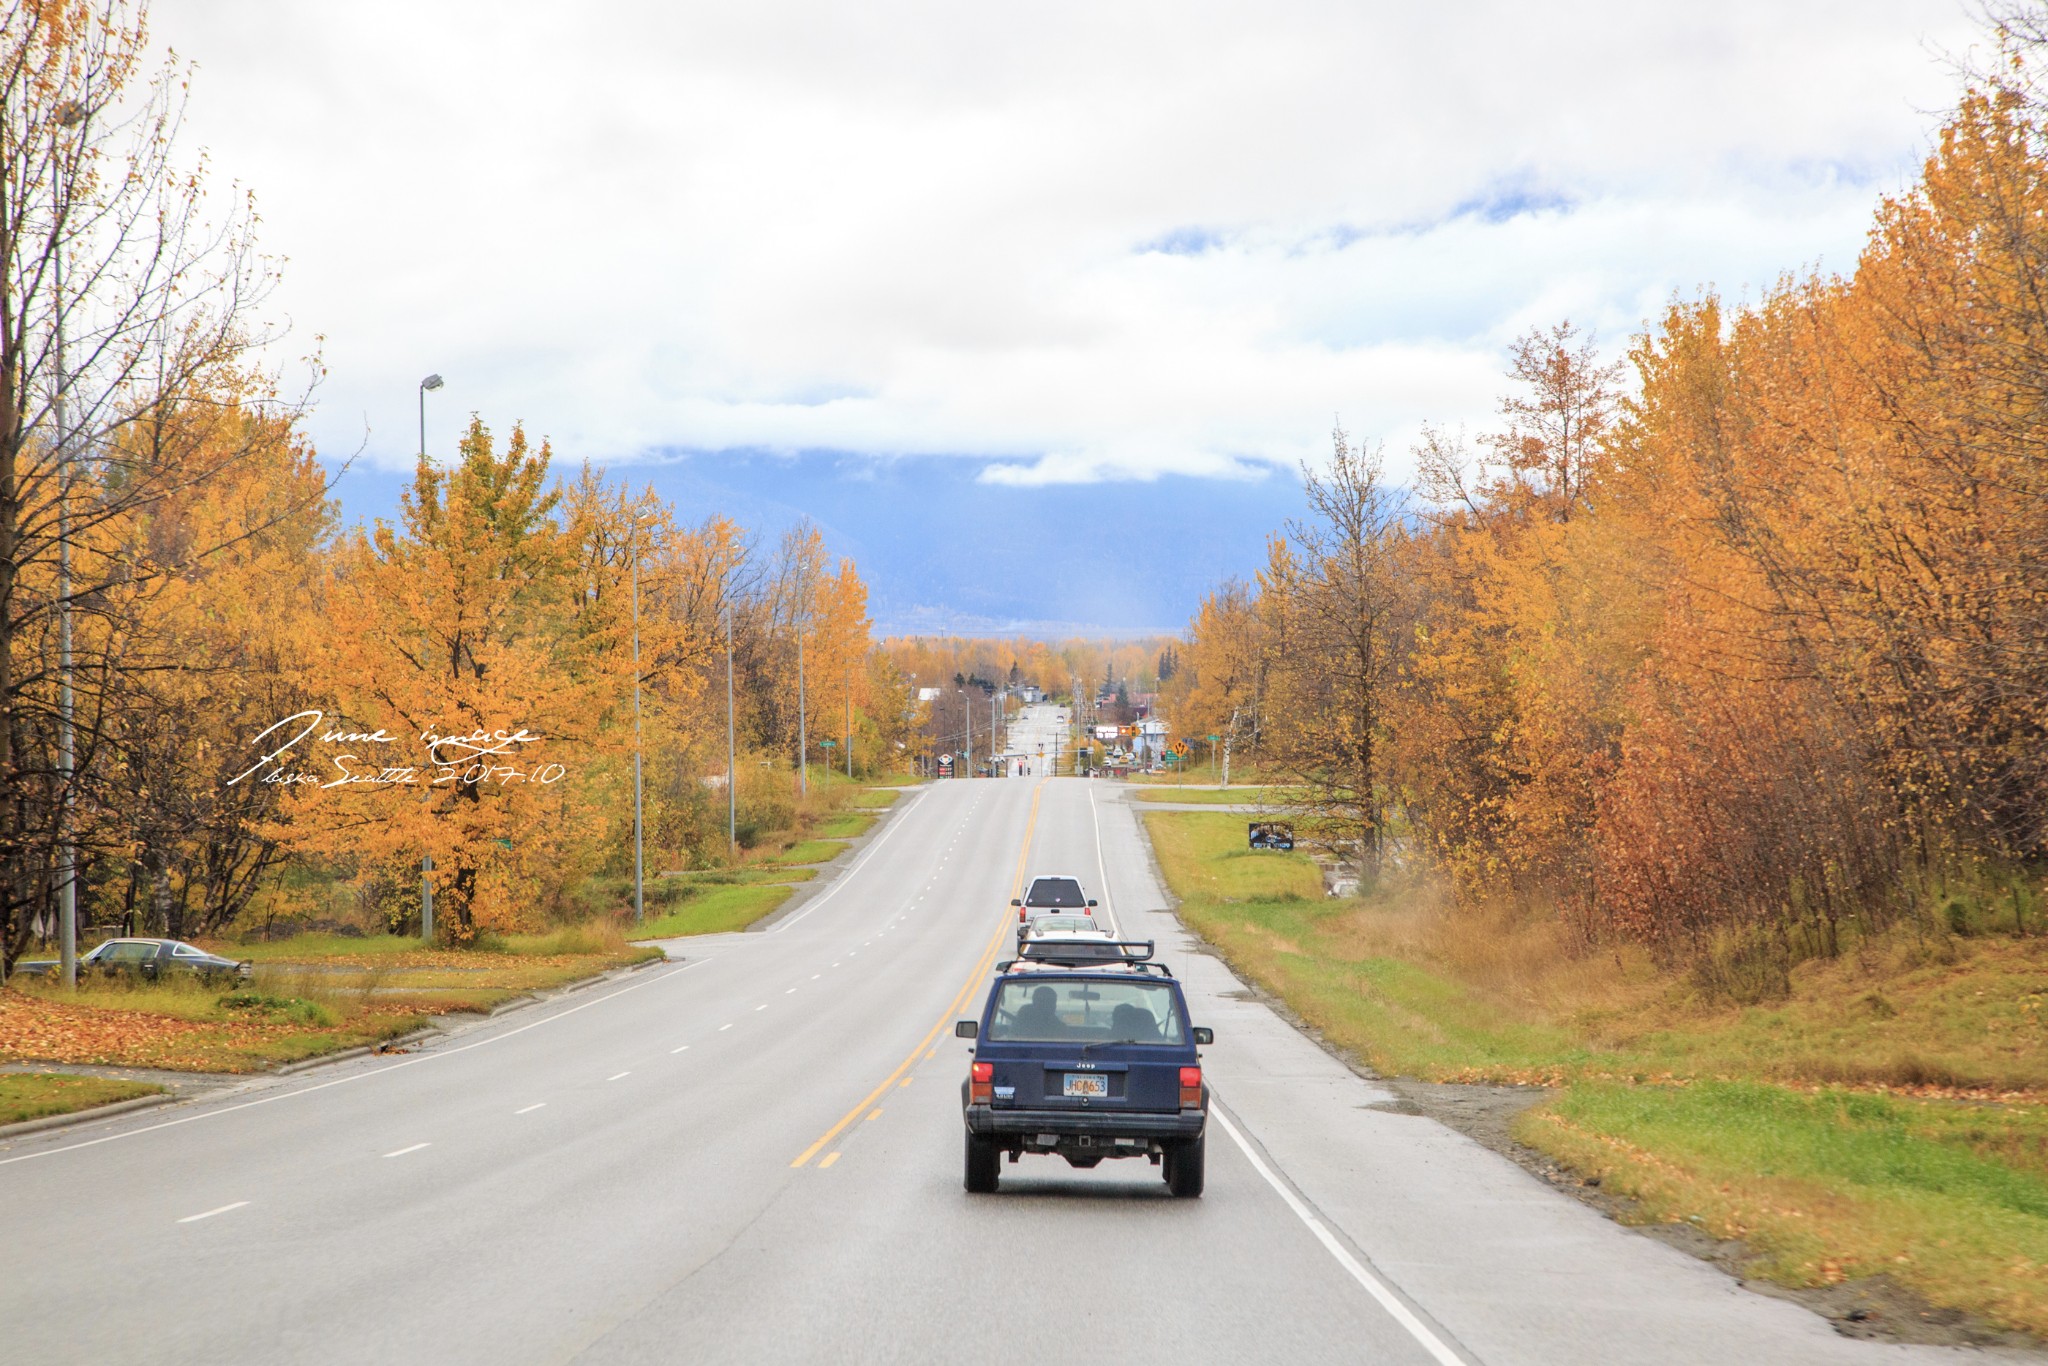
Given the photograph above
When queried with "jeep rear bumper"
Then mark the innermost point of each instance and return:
(1161, 1125)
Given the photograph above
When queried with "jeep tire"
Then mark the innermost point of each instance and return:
(984, 1165)
(1183, 1168)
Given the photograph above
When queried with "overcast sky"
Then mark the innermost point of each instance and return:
(1068, 241)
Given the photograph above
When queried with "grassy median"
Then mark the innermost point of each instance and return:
(310, 995)
(1886, 1117)
(38, 1095)
(712, 908)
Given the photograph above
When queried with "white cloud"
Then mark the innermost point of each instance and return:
(1082, 240)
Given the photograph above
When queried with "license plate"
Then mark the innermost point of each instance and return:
(1087, 1084)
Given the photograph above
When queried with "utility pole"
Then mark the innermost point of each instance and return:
(849, 726)
(967, 710)
(732, 777)
(803, 743)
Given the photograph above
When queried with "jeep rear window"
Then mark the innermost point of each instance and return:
(1055, 891)
(1084, 1011)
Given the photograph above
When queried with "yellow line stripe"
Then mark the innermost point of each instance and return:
(974, 979)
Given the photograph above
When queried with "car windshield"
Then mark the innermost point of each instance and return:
(1085, 1010)
(1055, 891)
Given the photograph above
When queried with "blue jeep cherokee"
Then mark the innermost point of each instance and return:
(1087, 1059)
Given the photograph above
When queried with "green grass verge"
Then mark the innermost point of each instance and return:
(1205, 857)
(1829, 1186)
(810, 851)
(1234, 795)
(846, 825)
(1731, 1117)
(36, 1095)
(716, 909)
(876, 797)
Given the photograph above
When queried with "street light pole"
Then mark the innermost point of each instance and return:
(639, 886)
(426, 859)
(732, 795)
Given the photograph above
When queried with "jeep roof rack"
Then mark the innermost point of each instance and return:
(1132, 954)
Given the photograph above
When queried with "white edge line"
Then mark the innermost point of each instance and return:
(355, 1076)
(1374, 1286)
(833, 890)
(195, 1218)
(1101, 870)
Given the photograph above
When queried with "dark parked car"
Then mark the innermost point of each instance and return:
(149, 959)
(1084, 1059)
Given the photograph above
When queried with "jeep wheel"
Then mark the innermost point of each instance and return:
(1184, 1169)
(984, 1165)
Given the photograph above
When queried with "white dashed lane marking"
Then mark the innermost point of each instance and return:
(208, 1214)
(413, 1149)
(531, 1108)
(616, 1075)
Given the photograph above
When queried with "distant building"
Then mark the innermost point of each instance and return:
(928, 694)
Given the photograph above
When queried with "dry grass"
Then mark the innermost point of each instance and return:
(1934, 1169)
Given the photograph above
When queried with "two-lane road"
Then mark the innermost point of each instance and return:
(754, 1155)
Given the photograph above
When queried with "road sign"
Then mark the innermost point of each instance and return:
(1180, 747)
(1212, 739)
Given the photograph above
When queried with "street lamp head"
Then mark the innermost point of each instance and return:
(431, 382)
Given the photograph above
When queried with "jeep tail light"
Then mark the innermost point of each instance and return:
(980, 1083)
(1190, 1087)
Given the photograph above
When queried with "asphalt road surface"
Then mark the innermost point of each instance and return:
(753, 1154)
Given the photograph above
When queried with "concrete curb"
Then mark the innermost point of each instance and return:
(359, 1051)
(119, 1107)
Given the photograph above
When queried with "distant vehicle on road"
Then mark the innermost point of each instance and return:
(1270, 835)
(1061, 925)
(1052, 896)
(1085, 1060)
(150, 960)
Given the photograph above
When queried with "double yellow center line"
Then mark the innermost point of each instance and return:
(974, 980)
